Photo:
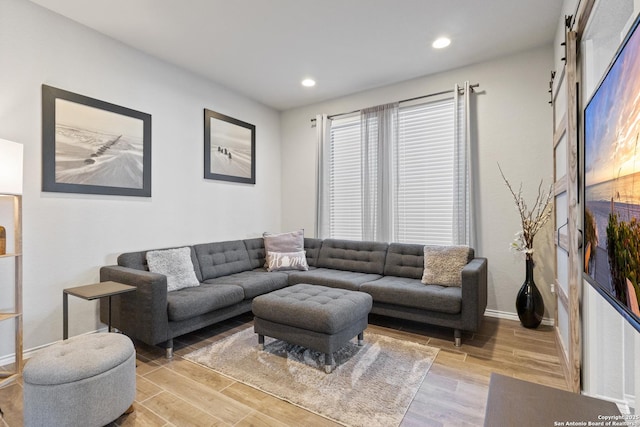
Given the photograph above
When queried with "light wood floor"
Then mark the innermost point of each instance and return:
(454, 392)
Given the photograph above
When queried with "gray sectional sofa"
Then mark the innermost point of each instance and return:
(232, 273)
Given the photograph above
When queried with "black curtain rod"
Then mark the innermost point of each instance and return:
(404, 100)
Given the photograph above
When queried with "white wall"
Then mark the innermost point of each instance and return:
(513, 128)
(67, 237)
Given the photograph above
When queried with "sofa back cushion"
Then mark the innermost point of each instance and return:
(138, 261)
(222, 258)
(352, 255)
(407, 260)
(257, 253)
(312, 247)
(404, 260)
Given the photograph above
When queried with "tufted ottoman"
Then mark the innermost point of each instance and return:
(88, 380)
(316, 317)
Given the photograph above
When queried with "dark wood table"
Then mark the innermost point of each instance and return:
(91, 292)
(514, 402)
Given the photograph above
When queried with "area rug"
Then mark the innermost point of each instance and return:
(371, 385)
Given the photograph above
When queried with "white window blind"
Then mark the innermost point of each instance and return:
(345, 180)
(422, 173)
(425, 171)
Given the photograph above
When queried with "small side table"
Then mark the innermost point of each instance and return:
(91, 292)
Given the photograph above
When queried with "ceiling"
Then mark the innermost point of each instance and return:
(264, 48)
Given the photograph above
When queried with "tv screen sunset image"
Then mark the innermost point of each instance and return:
(612, 180)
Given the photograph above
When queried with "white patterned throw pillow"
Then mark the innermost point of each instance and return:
(280, 261)
(290, 242)
(176, 264)
(443, 264)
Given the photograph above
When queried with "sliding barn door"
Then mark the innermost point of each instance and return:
(568, 266)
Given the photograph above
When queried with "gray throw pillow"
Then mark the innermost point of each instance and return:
(284, 242)
(176, 264)
(443, 265)
(292, 241)
(280, 261)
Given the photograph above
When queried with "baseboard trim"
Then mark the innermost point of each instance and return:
(513, 316)
(11, 358)
(623, 405)
(563, 355)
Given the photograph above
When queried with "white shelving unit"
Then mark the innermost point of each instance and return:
(11, 176)
(13, 313)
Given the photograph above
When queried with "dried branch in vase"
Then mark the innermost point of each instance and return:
(532, 219)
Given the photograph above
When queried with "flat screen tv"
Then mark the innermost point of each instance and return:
(612, 182)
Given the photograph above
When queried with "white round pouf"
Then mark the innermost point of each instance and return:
(88, 380)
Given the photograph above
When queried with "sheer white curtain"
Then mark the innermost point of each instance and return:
(379, 136)
(463, 212)
(323, 141)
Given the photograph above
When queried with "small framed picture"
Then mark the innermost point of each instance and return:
(229, 149)
(94, 147)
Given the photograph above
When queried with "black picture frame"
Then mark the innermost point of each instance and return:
(229, 149)
(94, 147)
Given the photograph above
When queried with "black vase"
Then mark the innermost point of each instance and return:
(529, 303)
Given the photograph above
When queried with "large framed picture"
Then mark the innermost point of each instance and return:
(94, 147)
(229, 148)
(612, 182)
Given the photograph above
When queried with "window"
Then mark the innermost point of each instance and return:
(406, 181)
(345, 182)
(425, 173)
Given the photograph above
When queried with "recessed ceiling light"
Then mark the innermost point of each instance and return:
(308, 83)
(441, 42)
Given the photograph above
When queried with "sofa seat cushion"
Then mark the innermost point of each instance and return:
(413, 293)
(349, 280)
(190, 302)
(253, 283)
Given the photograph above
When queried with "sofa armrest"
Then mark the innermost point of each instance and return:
(141, 314)
(474, 293)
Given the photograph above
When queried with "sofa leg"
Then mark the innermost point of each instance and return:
(169, 349)
(457, 337)
(328, 363)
